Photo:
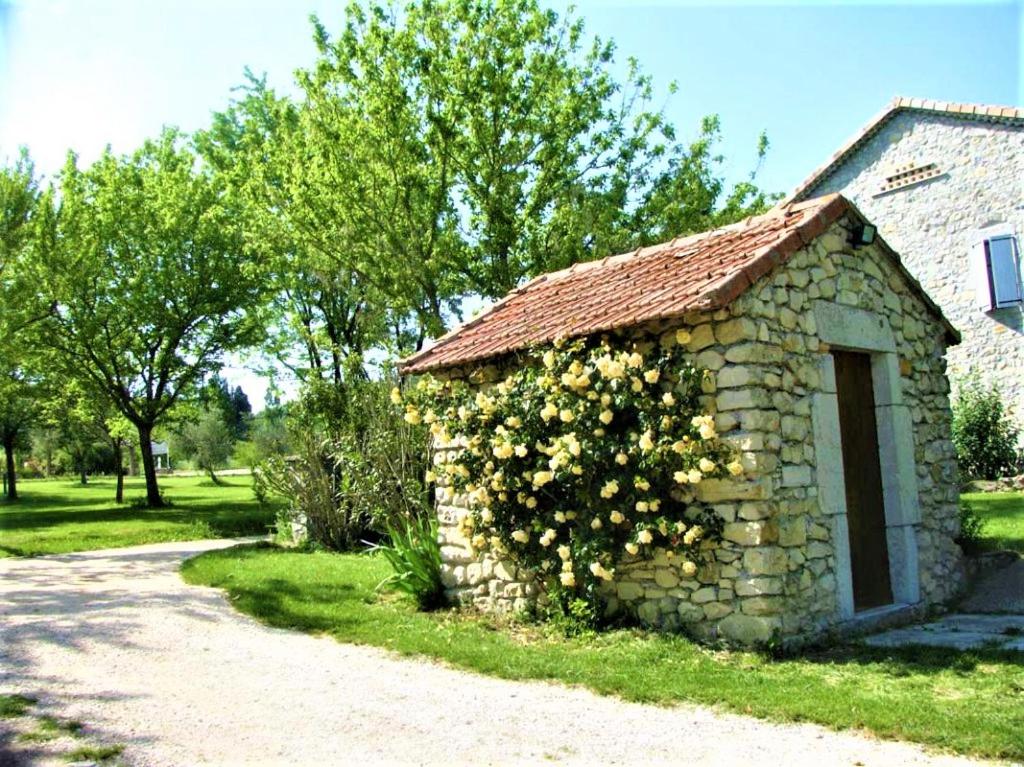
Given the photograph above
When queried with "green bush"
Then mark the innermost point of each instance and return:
(356, 465)
(972, 528)
(414, 553)
(983, 432)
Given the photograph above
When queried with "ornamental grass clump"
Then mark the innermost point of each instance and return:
(586, 455)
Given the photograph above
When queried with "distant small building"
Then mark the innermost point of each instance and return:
(161, 456)
(944, 183)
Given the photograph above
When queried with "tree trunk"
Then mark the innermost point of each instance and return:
(119, 470)
(12, 482)
(133, 461)
(83, 475)
(153, 499)
(214, 477)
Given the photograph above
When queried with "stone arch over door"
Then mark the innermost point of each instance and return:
(848, 328)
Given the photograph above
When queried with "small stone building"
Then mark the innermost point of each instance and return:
(945, 184)
(827, 375)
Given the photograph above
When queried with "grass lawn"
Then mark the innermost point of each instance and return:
(967, 702)
(55, 516)
(1004, 518)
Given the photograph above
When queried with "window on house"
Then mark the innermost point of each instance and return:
(1002, 265)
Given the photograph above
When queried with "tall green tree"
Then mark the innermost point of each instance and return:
(322, 311)
(150, 280)
(456, 147)
(19, 204)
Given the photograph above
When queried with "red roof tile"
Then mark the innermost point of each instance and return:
(697, 273)
(973, 112)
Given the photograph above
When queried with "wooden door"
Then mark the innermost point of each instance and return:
(865, 510)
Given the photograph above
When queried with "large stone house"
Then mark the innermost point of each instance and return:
(826, 373)
(945, 184)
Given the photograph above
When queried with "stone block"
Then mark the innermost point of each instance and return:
(666, 578)
(792, 531)
(703, 595)
(738, 329)
(701, 337)
(750, 533)
(716, 490)
(768, 560)
(629, 591)
(796, 476)
(758, 586)
(747, 629)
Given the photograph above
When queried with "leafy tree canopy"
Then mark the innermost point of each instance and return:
(145, 265)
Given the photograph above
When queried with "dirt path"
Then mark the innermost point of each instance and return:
(116, 639)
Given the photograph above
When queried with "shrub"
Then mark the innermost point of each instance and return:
(355, 466)
(983, 432)
(972, 528)
(587, 453)
(414, 553)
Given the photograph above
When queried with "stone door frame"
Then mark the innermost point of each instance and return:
(859, 330)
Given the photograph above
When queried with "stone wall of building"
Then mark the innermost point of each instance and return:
(930, 224)
(774, 574)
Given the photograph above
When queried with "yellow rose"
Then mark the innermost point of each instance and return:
(652, 376)
(541, 478)
(479, 541)
(642, 506)
(735, 468)
(520, 451)
(596, 524)
(621, 458)
(486, 516)
(689, 569)
(430, 476)
(641, 484)
(616, 517)
(549, 359)
(563, 552)
(632, 548)
(668, 399)
(644, 536)
(635, 360)
(695, 476)
(503, 451)
(514, 421)
(706, 466)
(549, 411)
(681, 477)
(646, 442)
(682, 336)
(396, 396)
(606, 417)
(568, 579)
(610, 488)
(531, 502)
(637, 385)
(566, 416)
(412, 416)
(520, 536)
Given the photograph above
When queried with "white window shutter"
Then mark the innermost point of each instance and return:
(979, 274)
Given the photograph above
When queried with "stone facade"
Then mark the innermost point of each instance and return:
(933, 225)
(782, 570)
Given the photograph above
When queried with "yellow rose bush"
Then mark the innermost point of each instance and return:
(587, 453)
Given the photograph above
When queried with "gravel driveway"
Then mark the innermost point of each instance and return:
(116, 639)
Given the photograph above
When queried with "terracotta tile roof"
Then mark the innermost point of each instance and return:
(697, 273)
(974, 112)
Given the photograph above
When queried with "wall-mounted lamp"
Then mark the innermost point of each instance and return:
(863, 234)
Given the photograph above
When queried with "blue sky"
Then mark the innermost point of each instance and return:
(83, 73)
